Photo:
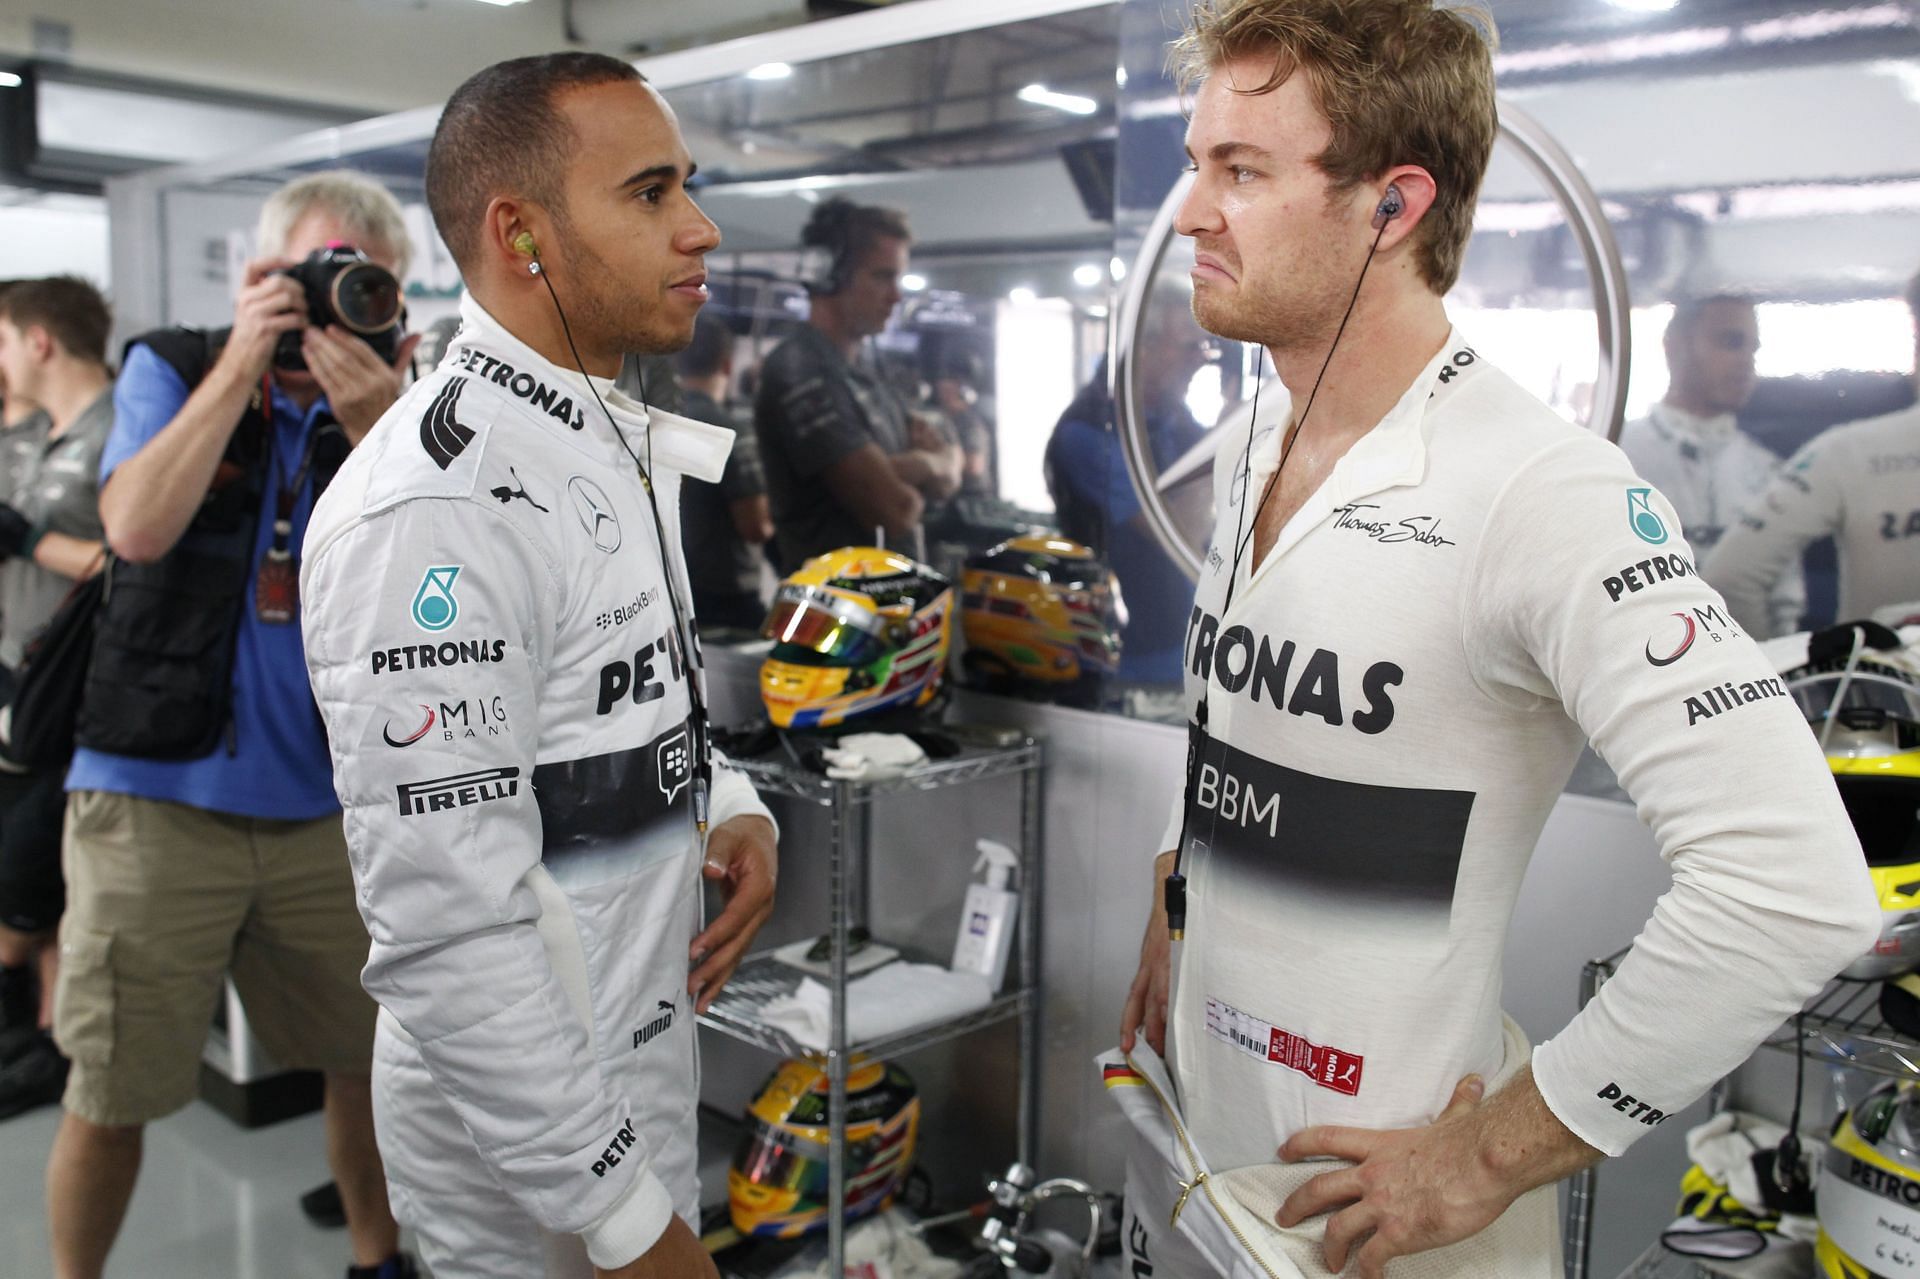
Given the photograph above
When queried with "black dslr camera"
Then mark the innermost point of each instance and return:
(343, 287)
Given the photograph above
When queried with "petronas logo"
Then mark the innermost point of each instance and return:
(1646, 525)
(434, 608)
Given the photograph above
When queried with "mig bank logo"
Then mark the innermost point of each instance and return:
(1646, 525)
(434, 608)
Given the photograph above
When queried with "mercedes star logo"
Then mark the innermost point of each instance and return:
(590, 503)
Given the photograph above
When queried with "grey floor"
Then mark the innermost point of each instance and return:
(213, 1202)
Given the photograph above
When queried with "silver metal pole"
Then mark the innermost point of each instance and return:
(845, 824)
(1580, 1192)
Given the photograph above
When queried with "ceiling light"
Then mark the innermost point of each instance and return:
(503, 3)
(770, 71)
(1644, 6)
(1021, 295)
(913, 283)
(1117, 269)
(1086, 275)
(1072, 103)
(9, 80)
(1097, 312)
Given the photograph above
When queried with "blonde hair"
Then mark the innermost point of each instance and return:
(1399, 81)
(369, 211)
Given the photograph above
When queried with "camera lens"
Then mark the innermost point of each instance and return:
(366, 297)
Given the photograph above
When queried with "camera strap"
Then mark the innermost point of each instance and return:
(276, 587)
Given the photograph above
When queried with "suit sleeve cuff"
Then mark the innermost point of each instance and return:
(632, 1226)
(734, 796)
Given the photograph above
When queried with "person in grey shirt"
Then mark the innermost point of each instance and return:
(53, 336)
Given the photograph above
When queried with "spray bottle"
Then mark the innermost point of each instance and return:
(986, 921)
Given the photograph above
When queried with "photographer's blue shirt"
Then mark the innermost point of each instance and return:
(278, 766)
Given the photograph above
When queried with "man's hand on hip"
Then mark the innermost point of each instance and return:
(267, 306)
(1146, 1007)
(742, 856)
(359, 385)
(678, 1255)
(1413, 1189)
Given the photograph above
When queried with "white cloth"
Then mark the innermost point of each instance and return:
(490, 643)
(1399, 693)
(1711, 471)
(886, 1002)
(869, 757)
(1858, 484)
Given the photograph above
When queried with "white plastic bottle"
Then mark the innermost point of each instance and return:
(986, 920)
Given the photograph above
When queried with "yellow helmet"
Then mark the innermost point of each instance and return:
(1042, 610)
(855, 632)
(777, 1186)
(1868, 1198)
(1859, 687)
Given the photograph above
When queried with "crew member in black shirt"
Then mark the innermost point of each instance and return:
(724, 525)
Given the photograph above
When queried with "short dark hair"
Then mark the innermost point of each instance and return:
(846, 230)
(72, 312)
(1689, 310)
(707, 353)
(502, 133)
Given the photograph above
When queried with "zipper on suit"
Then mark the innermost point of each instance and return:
(1200, 1181)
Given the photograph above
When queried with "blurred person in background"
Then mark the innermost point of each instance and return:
(724, 525)
(843, 457)
(53, 352)
(1087, 475)
(1858, 483)
(1690, 446)
(203, 834)
(956, 399)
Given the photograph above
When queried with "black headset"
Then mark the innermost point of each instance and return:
(683, 634)
(827, 249)
(1391, 206)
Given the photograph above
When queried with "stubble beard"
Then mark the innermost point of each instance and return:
(615, 317)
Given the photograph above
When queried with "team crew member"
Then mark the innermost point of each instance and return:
(1423, 593)
(502, 662)
(202, 834)
(1690, 447)
(1858, 484)
(724, 525)
(53, 348)
(842, 455)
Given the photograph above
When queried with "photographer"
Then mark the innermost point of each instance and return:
(204, 837)
(53, 340)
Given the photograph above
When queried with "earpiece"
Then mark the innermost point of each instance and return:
(1391, 206)
(523, 243)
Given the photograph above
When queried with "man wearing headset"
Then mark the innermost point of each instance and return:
(498, 633)
(842, 455)
(1424, 591)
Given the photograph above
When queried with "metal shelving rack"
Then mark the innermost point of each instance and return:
(1841, 1026)
(760, 978)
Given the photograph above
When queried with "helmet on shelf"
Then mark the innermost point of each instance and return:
(1040, 610)
(1859, 688)
(855, 632)
(777, 1186)
(1868, 1198)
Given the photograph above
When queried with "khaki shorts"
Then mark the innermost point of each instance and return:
(164, 901)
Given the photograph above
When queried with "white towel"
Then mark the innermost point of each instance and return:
(896, 999)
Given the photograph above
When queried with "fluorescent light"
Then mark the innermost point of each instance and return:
(911, 283)
(1120, 76)
(503, 3)
(1021, 295)
(770, 71)
(1644, 6)
(1071, 103)
(8, 80)
(1086, 275)
(1097, 312)
(1117, 269)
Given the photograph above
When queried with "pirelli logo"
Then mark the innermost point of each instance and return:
(444, 794)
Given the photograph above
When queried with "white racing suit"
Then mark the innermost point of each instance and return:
(1395, 697)
(493, 649)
